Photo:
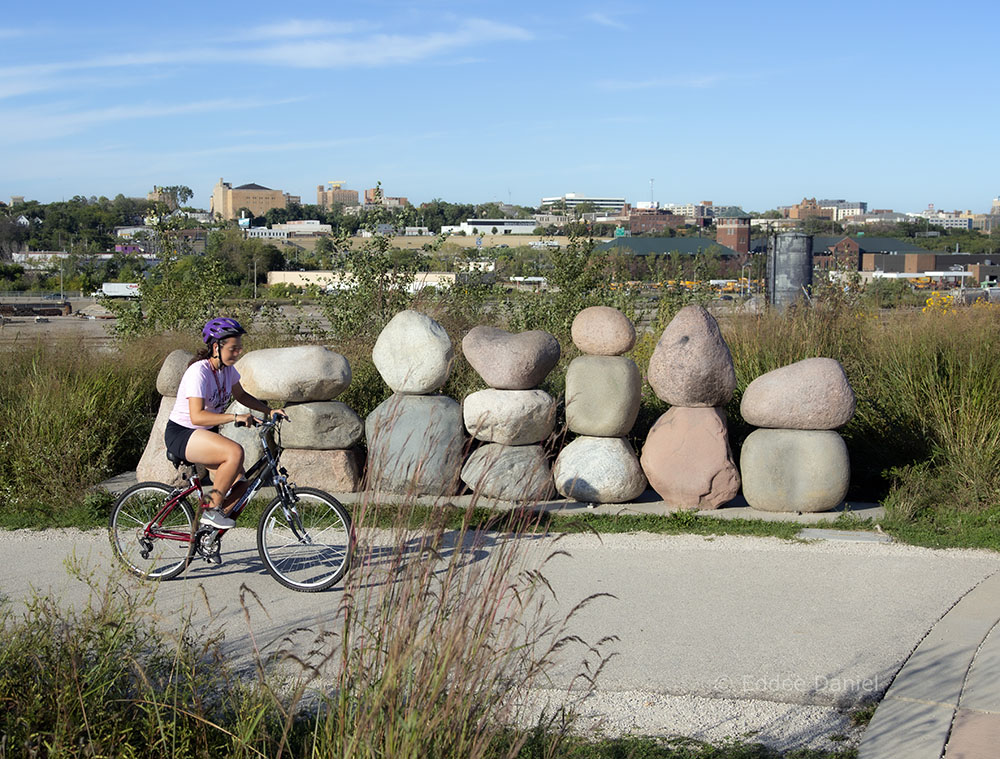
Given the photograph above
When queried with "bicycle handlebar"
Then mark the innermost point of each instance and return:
(267, 423)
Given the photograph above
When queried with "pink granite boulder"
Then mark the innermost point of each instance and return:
(687, 458)
(511, 362)
(691, 364)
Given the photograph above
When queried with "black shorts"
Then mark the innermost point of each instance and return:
(176, 437)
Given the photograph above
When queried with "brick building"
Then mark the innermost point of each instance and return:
(733, 232)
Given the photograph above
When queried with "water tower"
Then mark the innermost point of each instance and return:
(789, 268)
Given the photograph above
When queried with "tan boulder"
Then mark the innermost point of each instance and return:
(153, 465)
(603, 331)
(332, 471)
(813, 394)
(691, 364)
(171, 371)
(687, 458)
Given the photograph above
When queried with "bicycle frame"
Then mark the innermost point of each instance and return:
(263, 473)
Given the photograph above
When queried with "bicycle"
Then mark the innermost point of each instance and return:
(304, 537)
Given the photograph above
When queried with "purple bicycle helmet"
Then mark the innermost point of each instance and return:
(220, 328)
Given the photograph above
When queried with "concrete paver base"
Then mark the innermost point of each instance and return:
(974, 735)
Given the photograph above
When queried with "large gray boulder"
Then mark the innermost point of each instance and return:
(509, 473)
(510, 417)
(507, 361)
(813, 394)
(602, 395)
(332, 471)
(415, 445)
(300, 373)
(321, 425)
(603, 331)
(413, 353)
(691, 364)
(171, 371)
(687, 458)
(599, 470)
(794, 470)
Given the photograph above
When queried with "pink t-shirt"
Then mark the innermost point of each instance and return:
(202, 381)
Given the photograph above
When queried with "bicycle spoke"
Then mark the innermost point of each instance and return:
(140, 549)
(309, 548)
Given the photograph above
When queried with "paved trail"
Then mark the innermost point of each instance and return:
(717, 637)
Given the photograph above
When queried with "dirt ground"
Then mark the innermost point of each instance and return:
(27, 330)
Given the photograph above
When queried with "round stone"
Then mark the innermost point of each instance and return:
(171, 371)
(813, 394)
(599, 470)
(691, 364)
(509, 473)
(300, 373)
(603, 331)
(321, 425)
(413, 354)
(510, 417)
(508, 361)
(602, 395)
(794, 470)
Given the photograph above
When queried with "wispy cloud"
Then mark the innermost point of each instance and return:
(41, 123)
(297, 28)
(605, 20)
(321, 50)
(695, 81)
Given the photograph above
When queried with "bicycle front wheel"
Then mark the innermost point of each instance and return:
(151, 551)
(306, 541)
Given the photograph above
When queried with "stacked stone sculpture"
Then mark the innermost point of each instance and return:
(321, 432)
(513, 416)
(319, 438)
(415, 437)
(686, 456)
(603, 390)
(798, 462)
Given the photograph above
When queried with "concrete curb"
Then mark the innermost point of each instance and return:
(647, 504)
(945, 697)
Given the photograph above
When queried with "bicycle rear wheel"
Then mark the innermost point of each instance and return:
(151, 558)
(306, 541)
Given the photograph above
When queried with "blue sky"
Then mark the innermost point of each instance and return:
(757, 104)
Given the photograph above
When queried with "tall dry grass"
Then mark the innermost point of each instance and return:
(69, 418)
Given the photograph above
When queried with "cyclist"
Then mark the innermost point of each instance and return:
(204, 392)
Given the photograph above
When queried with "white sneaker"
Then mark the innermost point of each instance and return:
(212, 518)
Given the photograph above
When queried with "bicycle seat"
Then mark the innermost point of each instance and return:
(178, 462)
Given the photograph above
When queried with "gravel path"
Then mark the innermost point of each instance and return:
(726, 637)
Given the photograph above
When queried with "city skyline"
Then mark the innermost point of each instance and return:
(758, 106)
